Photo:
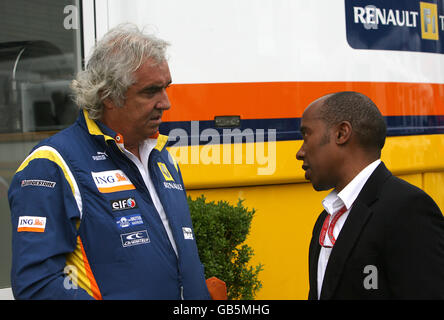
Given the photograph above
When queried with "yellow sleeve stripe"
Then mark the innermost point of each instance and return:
(49, 153)
(83, 275)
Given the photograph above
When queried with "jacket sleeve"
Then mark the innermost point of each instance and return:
(44, 212)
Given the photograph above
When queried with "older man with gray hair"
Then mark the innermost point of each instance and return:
(93, 211)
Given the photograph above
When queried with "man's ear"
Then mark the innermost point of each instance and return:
(343, 132)
(108, 104)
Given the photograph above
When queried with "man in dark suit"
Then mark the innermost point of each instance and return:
(379, 237)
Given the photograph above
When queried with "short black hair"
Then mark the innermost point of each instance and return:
(364, 116)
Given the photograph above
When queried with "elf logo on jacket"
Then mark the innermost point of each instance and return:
(123, 204)
(31, 224)
(112, 181)
(134, 238)
(166, 174)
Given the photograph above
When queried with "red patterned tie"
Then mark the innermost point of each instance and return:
(326, 229)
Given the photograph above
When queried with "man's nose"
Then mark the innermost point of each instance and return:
(164, 102)
(301, 153)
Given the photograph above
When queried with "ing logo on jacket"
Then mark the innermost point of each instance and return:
(112, 181)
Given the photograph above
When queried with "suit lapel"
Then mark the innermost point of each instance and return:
(357, 218)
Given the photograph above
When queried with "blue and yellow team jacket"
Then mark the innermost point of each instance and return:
(84, 225)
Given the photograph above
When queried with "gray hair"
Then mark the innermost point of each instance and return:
(110, 69)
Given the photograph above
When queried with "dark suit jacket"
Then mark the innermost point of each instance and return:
(390, 247)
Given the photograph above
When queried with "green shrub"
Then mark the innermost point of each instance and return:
(220, 230)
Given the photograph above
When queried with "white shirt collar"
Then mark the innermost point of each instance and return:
(145, 148)
(334, 201)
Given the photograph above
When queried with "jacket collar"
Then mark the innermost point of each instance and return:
(358, 216)
(94, 129)
(102, 132)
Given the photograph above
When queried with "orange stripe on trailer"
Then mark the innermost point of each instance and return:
(265, 100)
(93, 284)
